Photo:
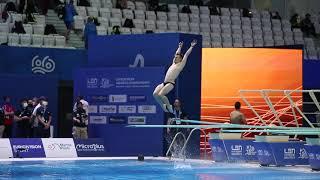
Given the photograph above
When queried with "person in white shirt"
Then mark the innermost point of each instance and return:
(85, 104)
(172, 74)
(236, 116)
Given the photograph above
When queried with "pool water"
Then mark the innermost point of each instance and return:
(148, 169)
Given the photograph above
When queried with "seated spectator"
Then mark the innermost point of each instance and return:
(276, 15)
(186, 9)
(307, 26)
(236, 116)
(11, 7)
(89, 30)
(18, 28)
(115, 30)
(80, 122)
(246, 13)
(153, 5)
(30, 9)
(22, 118)
(121, 4)
(8, 117)
(214, 11)
(44, 120)
(50, 29)
(69, 13)
(128, 23)
(295, 21)
(21, 6)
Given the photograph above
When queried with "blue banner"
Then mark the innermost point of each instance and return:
(41, 61)
(280, 154)
(155, 50)
(233, 150)
(314, 156)
(119, 97)
(27, 148)
(90, 147)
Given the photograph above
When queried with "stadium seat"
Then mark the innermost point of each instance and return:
(107, 4)
(40, 19)
(38, 29)
(150, 25)
(162, 16)
(205, 18)
(173, 26)
(125, 30)
(3, 38)
(173, 16)
(225, 19)
(194, 9)
(136, 31)
(173, 8)
(206, 36)
(138, 23)
(183, 26)
(105, 12)
(194, 27)
(81, 10)
(162, 25)
(215, 19)
(245, 21)
(95, 3)
(140, 5)
(139, 14)
(25, 40)
(104, 21)
(28, 28)
(204, 10)
(235, 12)
(116, 13)
(216, 44)
(265, 14)
(131, 5)
(16, 17)
(4, 27)
(312, 54)
(248, 43)
(194, 18)
(127, 14)
(48, 41)
(226, 28)
(151, 15)
(13, 39)
(225, 12)
(204, 27)
(183, 17)
(216, 37)
(235, 20)
(215, 28)
(78, 23)
(115, 22)
(101, 30)
(206, 44)
(60, 41)
(37, 40)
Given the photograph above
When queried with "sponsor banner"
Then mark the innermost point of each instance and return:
(241, 150)
(147, 109)
(98, 119)
(98, 98)
(127, 109)
(137, 98)
(107, 109)
(117, 120)
(5, 149)
(118, 98)
(93, 109)
(314, 156)
(59, 147)
(90, 147)
(27, 148)
(218, 150)
(137, 120)
(280, 154)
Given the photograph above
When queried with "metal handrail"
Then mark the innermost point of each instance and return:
(185, 144)
(173, 141)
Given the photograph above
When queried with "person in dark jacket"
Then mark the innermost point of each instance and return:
(89, 30)
(69, 13)
(18, 28)
(22, 118)
(80, 122)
